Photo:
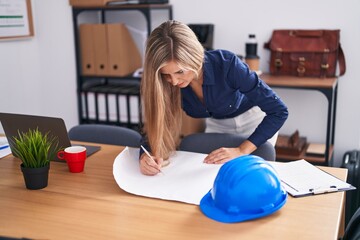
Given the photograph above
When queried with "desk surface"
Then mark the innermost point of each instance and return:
(90, 205)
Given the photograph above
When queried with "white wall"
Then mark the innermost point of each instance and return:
(234, 20)
(37, 76)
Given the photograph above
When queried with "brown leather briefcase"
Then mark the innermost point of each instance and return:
(306, 53)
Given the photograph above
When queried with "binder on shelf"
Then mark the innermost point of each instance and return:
(91, 105)
(101, 101)
(124, 56)
(123, 108)
(87, 49)
(100, 49)
(139, 36)
(134, 109)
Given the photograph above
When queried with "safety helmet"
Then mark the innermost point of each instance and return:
(245, 188)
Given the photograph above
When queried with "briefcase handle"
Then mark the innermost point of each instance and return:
(306, 33)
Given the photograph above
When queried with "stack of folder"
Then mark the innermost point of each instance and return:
(108, 50)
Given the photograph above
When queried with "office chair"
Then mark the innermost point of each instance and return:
(208, 142)
(106, 134)
(204, 33)
(352, 231)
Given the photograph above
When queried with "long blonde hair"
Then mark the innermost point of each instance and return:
(161, 101)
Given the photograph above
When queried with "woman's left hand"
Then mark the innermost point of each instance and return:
(223, 155)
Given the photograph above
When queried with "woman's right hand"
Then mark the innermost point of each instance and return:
(150, 166)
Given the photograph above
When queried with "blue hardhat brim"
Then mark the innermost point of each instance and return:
(208, 207)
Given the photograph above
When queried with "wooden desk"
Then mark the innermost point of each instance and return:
(90, 205)
(327, 86)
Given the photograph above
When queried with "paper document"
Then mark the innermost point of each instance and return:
(301, 178)
(186, 179)
(4, 147)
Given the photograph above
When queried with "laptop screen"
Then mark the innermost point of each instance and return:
(15, 123)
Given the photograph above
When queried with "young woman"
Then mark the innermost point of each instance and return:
(217, 85)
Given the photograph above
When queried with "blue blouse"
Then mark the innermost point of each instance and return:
(230, 89)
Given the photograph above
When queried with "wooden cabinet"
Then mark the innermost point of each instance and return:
(328, 87)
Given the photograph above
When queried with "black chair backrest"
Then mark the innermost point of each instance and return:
(352, 231)
(106, 134)
(208, 142)
(204, 33)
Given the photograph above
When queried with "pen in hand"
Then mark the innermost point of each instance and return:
(148, 154)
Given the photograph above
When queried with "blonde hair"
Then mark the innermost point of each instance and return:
(161, 101)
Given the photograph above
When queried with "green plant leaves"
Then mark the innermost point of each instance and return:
(34, 148)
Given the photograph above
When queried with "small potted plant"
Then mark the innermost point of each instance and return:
(35, 150)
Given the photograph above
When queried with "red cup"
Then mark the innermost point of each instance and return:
(75, 157)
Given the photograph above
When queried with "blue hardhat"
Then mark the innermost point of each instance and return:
(245, 188)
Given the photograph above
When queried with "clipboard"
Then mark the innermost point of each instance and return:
(301, 178)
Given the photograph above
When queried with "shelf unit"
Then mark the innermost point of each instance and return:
(328, 87)
(110, 90)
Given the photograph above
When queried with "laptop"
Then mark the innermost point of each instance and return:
(12, 123)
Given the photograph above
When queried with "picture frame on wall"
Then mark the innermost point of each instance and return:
(16, 19)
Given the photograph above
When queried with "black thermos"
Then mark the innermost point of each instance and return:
(251, 47)
(251, 57)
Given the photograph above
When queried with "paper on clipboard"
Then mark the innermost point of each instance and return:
(301, 178)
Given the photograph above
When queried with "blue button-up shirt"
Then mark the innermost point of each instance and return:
(230, 89)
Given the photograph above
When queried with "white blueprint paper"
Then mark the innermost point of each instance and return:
(186, 179)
